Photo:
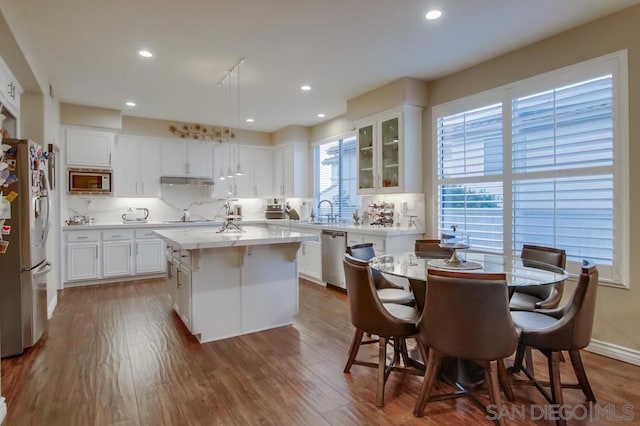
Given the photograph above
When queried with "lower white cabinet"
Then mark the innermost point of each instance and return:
(150, 256)
(310, 260)
(83, 261)
(182, 301)
(116, 257)
(123, 253)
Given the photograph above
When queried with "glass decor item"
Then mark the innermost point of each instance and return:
(454, 240)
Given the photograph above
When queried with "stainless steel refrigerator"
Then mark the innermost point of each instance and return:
(24, 217)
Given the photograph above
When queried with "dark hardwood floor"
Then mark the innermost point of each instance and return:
(117, 355)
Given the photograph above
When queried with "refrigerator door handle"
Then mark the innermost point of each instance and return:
(44, 269)
(47, 225)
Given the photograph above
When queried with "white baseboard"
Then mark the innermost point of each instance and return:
(52, 306)
(610, 350)
(3, 409)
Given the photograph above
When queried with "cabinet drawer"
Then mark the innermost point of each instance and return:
(116, 234)
(145, 233)
(377, 241)
(82, 236)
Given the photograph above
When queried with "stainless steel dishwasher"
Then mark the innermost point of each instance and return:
(334, 245)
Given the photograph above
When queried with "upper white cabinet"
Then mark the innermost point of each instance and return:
(390, 151)
(263, 172)
(136, 167)
(89, 147)
(10, 90)
(187, 158)
(290, 170)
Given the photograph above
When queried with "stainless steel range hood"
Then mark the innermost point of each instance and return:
(183, 180)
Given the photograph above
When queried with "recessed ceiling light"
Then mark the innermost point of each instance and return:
(145, 53)
(249, 120)
(433, 14)
(131, 104)
(305, 88)
(321, 115)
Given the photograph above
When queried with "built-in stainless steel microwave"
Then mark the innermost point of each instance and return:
(90, 181)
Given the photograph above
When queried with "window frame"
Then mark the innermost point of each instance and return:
(616, 64)
(314, 145)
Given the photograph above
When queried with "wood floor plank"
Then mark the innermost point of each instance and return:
(117, 354)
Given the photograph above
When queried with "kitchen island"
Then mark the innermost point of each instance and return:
(232, 283)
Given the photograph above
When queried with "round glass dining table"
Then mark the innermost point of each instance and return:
(519, 272)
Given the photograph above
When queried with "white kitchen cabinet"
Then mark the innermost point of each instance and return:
(183, 295)
(290, 170)
(116, 257)
(136, 167)
(390, 151)
(149, 256)
(83, 261)
(10, 90)
(172, 278)
(83, 255)
(116, 253)
(120, 253)
(263, 168)
(310, 260)
(187, 158)
(89, 147)
(244, 184)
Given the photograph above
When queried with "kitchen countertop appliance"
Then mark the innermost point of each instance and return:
(138, 215)
(25, 221)
(275, 211)
(334, 245)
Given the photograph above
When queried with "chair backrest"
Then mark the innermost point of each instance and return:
(365, 252)
(431, 248)
(573, 331)
(466, 315)
(549, 255)
(367, 312)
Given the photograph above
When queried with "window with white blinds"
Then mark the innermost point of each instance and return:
(542, 162)
(335, 177)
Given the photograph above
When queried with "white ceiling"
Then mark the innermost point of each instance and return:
(342, 48)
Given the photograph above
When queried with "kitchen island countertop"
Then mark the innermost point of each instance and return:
(208, 237)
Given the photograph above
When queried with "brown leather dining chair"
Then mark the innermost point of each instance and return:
(389, 321)
(431, 248)
(528, 298)
(466, 316)
(388, 292)
(563, 329)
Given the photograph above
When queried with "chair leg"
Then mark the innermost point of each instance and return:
(504, 380)
(517, 363)
(554, 379)
(491, 377)
(528, 360)
(430, 374)
(353, 351)
(404, 352)
(581, 375)
(382, 364)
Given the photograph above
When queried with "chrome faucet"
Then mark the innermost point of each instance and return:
(331, 217)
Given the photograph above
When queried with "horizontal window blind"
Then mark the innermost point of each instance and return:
(335, 178)
(470, 143)
(553, 158)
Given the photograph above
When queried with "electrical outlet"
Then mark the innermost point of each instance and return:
(404, 207)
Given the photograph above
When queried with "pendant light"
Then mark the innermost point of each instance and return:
(238, 168)
(221, 140)
(229, 169)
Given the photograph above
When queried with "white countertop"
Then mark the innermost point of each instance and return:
(206, 237)
(364, 229)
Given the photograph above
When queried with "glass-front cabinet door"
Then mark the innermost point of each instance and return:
(366, 159)
(390, 152)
